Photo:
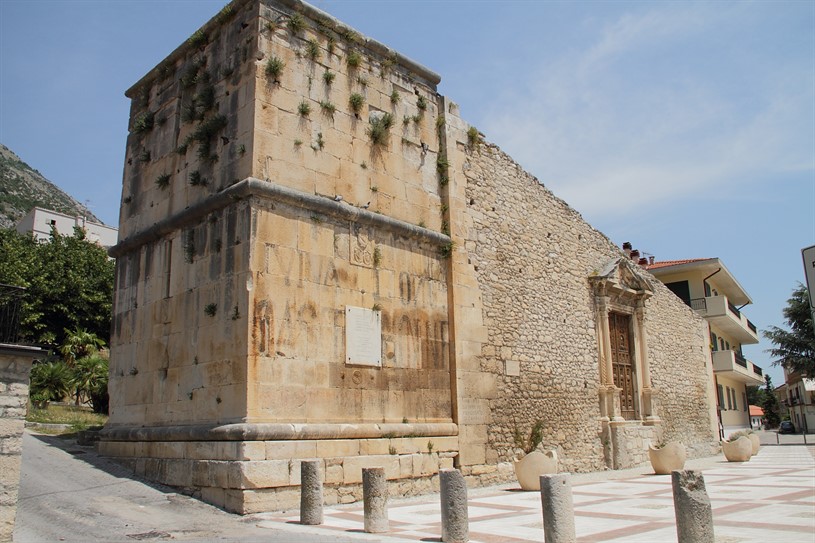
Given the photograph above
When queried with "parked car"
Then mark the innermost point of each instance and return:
(786, 428)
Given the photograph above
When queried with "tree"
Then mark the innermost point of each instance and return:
(771, 408)
(68, 282)
(795, 348)
(755, 396)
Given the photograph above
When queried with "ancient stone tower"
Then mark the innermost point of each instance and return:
(320, 259)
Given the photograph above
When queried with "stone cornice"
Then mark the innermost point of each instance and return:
(423, 73)
(252, 187)
(277, 432)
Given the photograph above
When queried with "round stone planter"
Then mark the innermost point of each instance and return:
(529, 468)
(756, 442)
(666, 459)
(738, 451)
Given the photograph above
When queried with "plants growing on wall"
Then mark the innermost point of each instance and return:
(296, 23)
(421, 103)
(190, 75)
(395, 97)
(354, 59)
(328, 77)
(473, 137)
(304, 109)
(441, 168)
(198, 40)
(312, 49)
(274, 67)
(379, 127)
(163, 181)
(356, 101)
(144, 122)
(204, 133)
(328, 108)
(446, 250)
(211, 309)
(196, 179)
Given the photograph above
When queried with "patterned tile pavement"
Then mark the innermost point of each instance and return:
(770, 498)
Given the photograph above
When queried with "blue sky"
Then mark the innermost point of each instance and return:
(687, 128)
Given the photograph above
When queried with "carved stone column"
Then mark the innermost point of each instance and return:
(606, 371)
(648, 392)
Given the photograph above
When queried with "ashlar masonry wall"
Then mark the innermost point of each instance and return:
(258, 209)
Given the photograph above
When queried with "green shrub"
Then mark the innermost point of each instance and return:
(50, 381)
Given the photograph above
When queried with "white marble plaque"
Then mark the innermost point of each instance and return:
(363, 336)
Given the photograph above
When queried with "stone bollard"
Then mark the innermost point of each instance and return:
(694, 516)
(558, 511)
(375, 499)
(454, 521)
(311, 492)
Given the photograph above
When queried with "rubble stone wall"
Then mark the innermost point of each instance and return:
(533, 255)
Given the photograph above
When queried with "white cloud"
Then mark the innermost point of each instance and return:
(611, 127)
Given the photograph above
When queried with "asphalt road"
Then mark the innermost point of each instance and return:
(68, 493)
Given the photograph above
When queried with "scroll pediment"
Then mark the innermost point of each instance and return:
(622, 275)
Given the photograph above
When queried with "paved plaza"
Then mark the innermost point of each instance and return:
(770, 498)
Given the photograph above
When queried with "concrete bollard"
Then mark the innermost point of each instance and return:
(694, 516)
(311, 492)
(455, 526)
(375, 500)
(557, 507)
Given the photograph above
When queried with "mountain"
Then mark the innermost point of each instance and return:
(22, 187)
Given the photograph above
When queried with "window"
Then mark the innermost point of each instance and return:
(744, 399)
(729, 399)
(721, 398)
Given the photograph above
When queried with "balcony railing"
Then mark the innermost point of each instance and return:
(698, 304)
(10, 300)
(740, 360)
(733, 309)
(757, 370)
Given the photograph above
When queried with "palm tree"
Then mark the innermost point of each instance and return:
(50, 381)
(79, 343)
(90, 379)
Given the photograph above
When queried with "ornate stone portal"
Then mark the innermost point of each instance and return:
(627, 398)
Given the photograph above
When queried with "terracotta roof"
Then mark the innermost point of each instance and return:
(666, 263)
(756, 411)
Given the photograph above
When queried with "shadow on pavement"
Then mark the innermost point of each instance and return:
(87, 453)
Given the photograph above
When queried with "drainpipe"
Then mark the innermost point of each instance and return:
(708, 277)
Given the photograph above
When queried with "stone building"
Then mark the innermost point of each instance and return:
(320, 259)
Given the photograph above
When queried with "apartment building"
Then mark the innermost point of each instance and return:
(708, 287)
